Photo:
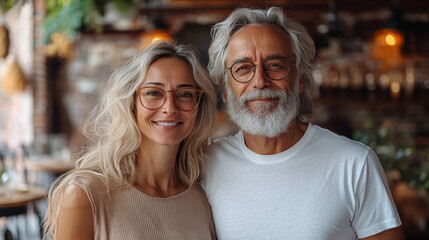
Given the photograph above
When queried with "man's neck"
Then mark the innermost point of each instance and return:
(268, 146)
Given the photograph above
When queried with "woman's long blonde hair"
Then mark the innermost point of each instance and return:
(114, 137)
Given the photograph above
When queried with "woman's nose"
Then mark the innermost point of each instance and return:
(169, 105)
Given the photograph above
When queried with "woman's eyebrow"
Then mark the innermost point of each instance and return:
(162, 85)
(185, 85)
(154, 83)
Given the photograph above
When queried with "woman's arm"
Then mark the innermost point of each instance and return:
(75, 215)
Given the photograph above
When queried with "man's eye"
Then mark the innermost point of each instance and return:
(243, 68)
(273, 65)
(276, 65)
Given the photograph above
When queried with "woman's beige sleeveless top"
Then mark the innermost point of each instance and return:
(131, 214)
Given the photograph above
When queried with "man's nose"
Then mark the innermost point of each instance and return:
(260, 80)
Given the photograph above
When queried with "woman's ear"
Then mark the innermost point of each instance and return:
(134, 104)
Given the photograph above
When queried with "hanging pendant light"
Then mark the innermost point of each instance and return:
(159, 32)
(389, 40)
(387, 49)
(392, 34)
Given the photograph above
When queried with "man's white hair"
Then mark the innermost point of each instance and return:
(301, 43)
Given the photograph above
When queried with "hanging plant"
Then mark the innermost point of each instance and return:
(70, 17)
(63, 16)
(5, 5)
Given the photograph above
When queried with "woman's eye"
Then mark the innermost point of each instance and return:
(185, 95)
(153, 93)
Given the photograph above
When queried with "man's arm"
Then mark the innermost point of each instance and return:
(390, 234)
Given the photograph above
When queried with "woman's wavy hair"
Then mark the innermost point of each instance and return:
(302, 46)
(114, 137)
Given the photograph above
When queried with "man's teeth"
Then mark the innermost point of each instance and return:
(167, 123)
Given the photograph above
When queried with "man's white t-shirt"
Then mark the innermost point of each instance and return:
(325, 187)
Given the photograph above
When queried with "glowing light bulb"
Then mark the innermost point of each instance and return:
(156, 39)
(390, 40)
(155, 35)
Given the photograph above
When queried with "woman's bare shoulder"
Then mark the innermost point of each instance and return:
(75, 220)
(75, 196)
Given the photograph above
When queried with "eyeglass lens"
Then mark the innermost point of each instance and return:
(275, 69)
(186, 98)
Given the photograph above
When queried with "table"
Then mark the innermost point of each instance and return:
(16, 200)
(48, 165)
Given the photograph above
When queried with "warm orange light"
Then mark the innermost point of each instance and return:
(160, 38)
(390, 40)
(153, 36)
(388, 37)
(395, 87)
(387, 46)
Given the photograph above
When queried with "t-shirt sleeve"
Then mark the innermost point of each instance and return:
(375, 209)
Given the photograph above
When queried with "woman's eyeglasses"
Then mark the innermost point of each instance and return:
(186, 99)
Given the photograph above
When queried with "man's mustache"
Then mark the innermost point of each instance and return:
(262, 94)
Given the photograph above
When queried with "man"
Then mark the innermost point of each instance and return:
(282, 177)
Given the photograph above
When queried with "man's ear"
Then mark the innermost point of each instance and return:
(301, 83)
(223, 88)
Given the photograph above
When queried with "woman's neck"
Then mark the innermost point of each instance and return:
(156, 174)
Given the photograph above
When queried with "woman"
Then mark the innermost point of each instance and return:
(148, 136)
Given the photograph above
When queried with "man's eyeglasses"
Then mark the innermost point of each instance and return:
(274, 68)
(186, 99)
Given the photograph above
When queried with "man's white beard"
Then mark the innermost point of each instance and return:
(262, 122)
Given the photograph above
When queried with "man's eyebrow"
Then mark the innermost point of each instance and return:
(276, 56)
(245, 59)
(272, 56)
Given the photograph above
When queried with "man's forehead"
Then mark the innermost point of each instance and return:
(254, 41)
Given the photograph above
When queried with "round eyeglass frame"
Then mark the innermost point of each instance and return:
(199, 91)
(254, 70)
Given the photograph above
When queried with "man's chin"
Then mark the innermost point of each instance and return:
(261, 108)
